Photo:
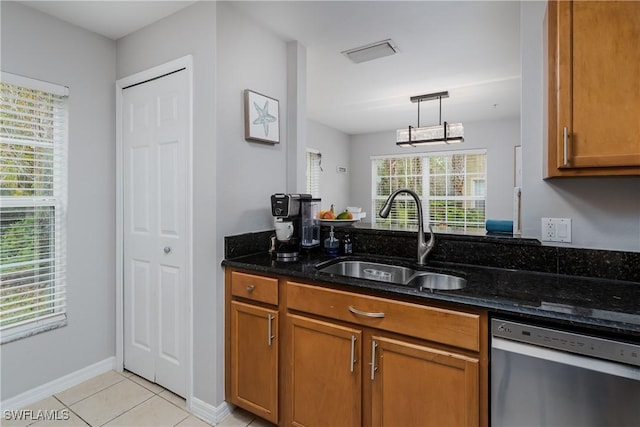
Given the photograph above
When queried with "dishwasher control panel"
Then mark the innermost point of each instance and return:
(557, 339)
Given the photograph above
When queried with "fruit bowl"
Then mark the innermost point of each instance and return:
(337, 221)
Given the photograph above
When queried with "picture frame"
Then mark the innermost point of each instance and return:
(261, 118)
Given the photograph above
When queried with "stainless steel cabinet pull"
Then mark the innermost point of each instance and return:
(565, 142)
(353, 351)
(167, 249)
(365, 313)
(270, 337)
(250, 288)
(374, 345)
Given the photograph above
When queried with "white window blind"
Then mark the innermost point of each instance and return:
(451, 186)
(33, 185)
(391, 174)
(314, 168)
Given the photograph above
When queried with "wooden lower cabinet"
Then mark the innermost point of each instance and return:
(338, 378)
(299, 354)
(254, 364)
(415, 385)
(326, 382)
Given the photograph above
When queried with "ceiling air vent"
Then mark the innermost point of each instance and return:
(371, 51)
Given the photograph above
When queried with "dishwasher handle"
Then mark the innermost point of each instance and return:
(567, 341)
(597, 365)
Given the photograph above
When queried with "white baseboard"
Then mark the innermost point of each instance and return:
(209, 413)
(45, 390)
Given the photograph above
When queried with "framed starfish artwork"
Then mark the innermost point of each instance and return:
(261, 118)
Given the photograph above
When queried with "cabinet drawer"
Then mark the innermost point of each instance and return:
(444, 326)
(256, 288)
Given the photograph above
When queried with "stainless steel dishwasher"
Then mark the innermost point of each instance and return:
(552, 377)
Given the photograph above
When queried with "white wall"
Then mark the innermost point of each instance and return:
(498, 137)
(605, 212)
(296, 117)
(249, 57)
(41, 47)
(193, 31)
(334, 147)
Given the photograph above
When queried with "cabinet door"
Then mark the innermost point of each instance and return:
(254, 359)
(326, 388)
(414, 385)
(594, 87)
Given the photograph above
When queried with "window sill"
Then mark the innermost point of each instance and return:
(30, 329)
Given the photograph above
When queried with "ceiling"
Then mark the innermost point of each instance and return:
(470, 48)
(112, 19)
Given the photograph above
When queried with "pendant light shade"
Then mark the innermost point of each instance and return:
(447, 133)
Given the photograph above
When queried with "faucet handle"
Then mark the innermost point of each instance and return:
(432, 239)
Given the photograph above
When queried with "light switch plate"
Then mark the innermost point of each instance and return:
(556, 230)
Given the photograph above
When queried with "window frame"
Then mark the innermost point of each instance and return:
(426, 199)
(314, 172)
(52, 313)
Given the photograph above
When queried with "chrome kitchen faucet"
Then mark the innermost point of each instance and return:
(423, 247)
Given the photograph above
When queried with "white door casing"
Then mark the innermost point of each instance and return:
(155, 230)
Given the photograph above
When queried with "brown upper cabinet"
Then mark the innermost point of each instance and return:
(593, 79)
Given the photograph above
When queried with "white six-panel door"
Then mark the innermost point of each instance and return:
(155, 131)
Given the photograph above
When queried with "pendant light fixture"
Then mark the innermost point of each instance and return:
(447, 133)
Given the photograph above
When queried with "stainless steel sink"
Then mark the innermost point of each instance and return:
(371, 270)
(398, 275)
(437, 281)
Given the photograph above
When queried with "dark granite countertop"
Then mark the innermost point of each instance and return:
(605, 306)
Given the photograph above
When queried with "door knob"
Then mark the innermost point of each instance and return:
(167, 249)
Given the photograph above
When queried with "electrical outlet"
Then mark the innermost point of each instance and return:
(548, 229)
(556, 230)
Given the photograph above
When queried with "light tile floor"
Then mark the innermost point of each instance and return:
(119, 399)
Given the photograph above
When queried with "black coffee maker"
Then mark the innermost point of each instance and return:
(295, 222)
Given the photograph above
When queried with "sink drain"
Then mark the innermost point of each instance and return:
(373, 274)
